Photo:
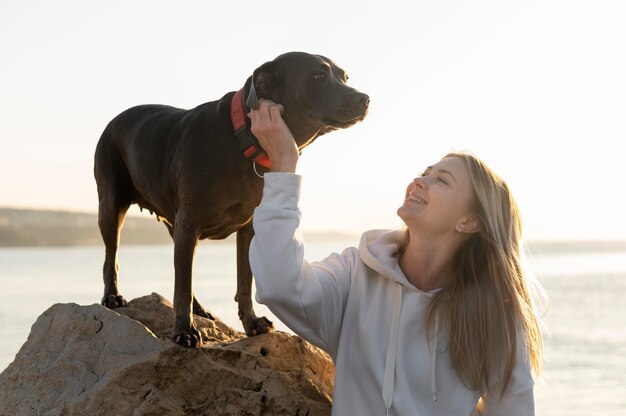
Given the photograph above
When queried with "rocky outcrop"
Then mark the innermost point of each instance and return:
(88, 360)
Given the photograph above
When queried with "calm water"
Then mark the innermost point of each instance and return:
(586, 347)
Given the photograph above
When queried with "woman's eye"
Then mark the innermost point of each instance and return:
(319, 77)
(442, 180)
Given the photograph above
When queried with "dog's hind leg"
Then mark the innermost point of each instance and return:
(110, 220)
(115, 197)
(251, 324)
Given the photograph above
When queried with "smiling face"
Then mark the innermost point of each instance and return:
(440, 201)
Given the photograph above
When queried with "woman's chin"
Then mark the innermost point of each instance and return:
(399, 212)
(404, 213)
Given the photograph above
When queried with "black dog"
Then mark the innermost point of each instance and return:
(198, 170)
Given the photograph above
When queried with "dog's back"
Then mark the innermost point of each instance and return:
(135, 159)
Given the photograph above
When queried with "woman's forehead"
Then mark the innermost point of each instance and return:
(453, 164)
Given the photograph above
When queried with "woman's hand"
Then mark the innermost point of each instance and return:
(274, 136)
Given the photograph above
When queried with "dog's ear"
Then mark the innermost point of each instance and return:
(264, 79)
(252, 101)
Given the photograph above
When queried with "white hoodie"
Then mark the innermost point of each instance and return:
(360, 308)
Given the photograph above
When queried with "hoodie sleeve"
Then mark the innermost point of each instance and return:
(518, 400)
(308, 298)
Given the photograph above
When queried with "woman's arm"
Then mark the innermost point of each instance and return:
(309, 299)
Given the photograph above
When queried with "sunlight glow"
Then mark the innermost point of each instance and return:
(534, 88)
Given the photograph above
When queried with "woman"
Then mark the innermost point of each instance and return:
(434, 319)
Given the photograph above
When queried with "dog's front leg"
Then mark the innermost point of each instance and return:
(251, 324)
(185, 243)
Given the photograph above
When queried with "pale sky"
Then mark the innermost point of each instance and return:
(535, 88)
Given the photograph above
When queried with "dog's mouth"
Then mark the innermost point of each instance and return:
(334, 124)
(347, 111)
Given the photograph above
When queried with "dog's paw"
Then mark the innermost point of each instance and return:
(189, 339)
(114, 301)
(258, 326)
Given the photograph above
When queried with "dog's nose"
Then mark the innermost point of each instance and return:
(363, 101)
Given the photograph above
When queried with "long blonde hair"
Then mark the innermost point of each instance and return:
(489, 303)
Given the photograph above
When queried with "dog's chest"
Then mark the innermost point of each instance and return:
(229, 211)
(232, 221)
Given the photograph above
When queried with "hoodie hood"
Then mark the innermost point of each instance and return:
(378, 249)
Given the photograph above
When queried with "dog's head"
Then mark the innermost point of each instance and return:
(313, 91)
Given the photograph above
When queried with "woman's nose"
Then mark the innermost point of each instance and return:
(419, 181)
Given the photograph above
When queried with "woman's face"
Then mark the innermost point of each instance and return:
(440, 199)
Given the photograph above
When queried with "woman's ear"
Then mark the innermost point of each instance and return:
(468, 225)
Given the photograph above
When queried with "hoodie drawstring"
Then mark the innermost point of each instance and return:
(392, 349)
(433, 360)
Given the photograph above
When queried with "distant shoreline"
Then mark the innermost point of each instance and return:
(54, 228)
(48, 228)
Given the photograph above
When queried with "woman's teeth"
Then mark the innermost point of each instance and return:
(417, 199)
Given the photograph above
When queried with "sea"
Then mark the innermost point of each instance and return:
(584, 321)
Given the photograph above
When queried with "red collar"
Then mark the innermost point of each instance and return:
(248, 144)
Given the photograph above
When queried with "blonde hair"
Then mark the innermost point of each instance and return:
(488, 305)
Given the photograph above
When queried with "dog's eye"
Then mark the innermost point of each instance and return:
(319, 77)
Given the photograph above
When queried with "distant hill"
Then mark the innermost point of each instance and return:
(29, 227)
(26, 227)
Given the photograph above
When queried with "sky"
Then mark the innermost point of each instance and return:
(535, 88)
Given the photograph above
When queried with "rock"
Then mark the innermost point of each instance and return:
(89, 360)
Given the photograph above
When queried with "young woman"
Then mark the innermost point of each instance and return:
(433, 319)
